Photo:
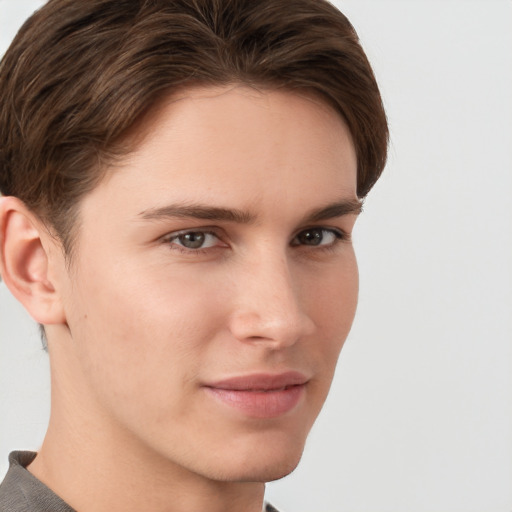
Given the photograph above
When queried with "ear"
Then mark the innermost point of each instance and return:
(24, 261)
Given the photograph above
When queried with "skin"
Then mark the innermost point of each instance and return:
(138, 323)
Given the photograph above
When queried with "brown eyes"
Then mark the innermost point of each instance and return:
(317, 236)
(203, 240)
(192, 240)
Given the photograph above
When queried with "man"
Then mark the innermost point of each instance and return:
(181, 179)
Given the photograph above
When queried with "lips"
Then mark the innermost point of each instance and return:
(260, 395)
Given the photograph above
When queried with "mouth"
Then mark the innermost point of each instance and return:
(260, 395)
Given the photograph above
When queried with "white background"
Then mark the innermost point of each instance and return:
(420, 414)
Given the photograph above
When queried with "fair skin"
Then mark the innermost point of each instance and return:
(194, 336)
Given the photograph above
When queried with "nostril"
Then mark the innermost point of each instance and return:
(276, 331)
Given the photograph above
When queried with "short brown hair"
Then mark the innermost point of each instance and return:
(79, 74)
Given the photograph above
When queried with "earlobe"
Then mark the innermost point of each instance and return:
(24, 262)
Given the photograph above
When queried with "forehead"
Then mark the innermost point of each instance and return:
(238, 142)
(221, 106)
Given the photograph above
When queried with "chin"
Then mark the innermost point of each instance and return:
(277, 472)
(258, 473)
(261, 464)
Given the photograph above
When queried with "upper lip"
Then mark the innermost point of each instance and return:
(260, 381)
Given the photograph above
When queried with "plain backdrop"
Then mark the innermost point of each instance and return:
(420, 414)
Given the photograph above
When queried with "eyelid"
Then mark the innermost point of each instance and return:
(340, 234)
(169, 240)
(337, 231)
(205, 230)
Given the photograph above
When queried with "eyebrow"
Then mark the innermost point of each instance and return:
(334, 210)
(198, 211)
(215, 213)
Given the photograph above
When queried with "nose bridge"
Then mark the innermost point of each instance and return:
(269, 307)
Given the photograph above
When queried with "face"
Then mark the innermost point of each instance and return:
(214, 282)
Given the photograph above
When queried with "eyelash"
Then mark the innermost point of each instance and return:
(170, 240)
(339, 237)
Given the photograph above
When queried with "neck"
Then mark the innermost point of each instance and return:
(123, 478)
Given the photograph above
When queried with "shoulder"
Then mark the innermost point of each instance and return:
(23, 492)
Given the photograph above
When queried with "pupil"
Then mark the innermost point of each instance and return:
(192, 240)
(311, 237)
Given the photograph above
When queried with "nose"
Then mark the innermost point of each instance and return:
(268, 306)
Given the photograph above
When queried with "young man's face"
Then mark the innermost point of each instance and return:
(213, 285)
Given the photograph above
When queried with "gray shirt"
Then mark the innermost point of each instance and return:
(21, 491)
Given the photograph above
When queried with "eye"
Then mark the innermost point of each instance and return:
(194, 240)
(317, 237)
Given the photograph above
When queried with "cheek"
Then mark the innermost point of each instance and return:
(143, 335)
(332, 303)
(332, 297)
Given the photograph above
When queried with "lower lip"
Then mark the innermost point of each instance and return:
(260, 404)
